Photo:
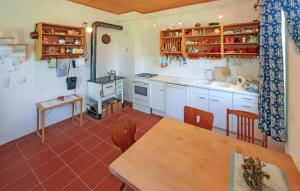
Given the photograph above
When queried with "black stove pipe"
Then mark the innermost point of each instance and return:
(95, 25)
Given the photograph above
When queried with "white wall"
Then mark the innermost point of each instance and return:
(293, 144)
(17, 102)
(146, 45)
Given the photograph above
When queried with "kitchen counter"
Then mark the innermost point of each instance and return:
(201, 84)
(105, 79)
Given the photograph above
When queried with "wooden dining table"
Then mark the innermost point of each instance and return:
(177, 156)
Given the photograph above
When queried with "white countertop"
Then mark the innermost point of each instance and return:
(200, 84)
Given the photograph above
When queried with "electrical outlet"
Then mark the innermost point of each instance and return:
(22, 81)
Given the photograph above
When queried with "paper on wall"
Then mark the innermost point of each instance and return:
(8, 65)
(61, 69)
(80, 62)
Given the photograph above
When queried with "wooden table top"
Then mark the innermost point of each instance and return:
(54, 103)
(177, 156)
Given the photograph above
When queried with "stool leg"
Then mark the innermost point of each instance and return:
(122, 187)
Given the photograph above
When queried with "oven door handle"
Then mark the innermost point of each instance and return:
(140, 83)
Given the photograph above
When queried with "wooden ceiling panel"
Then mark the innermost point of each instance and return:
(141, 6)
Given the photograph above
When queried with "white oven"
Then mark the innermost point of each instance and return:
(141, 96)
(141, 91)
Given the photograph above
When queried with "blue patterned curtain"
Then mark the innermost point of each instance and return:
(271, 99)
(292, 14)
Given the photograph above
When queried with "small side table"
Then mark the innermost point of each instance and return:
(44, 106)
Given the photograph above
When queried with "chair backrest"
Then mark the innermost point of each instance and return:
(245, 125)
(198, 117)
(123, 133)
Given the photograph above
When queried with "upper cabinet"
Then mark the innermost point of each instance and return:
(213, 42)
(59, 41)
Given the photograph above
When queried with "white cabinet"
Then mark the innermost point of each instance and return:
(199, 98)
(158, 96)
(244, 103)
(176, 98)
(219, 102)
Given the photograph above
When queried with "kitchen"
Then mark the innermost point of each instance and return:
(149, 64)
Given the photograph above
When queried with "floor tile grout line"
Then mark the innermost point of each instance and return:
(97, 160)
(100, 182)
(88, 151)
(66, 165)
(90, 166)
(32, 170)
(58, 155)
(14, 165)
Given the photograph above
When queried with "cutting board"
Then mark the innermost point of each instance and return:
(221, 73)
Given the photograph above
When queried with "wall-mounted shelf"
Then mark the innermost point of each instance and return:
(14, 49)
(213, 42)
(171, 42)
(241, 40)
(59, 41)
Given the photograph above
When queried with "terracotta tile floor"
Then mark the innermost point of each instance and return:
(72, 158)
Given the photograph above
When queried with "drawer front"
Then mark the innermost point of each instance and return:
(109, 89)
(157, 85)
(245, 98)
(119, 87)
(245, 106)
(197, 92)
(119, 82)
(214, 94)
(199, 98)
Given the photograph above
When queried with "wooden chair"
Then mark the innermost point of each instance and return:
(198, 118)
(245, 126)
(123, 135)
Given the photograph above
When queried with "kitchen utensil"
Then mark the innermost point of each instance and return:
(214, 24)
(251, 86)
(220, 73)
(197, 25)
(112, 74)
(251, 50)
(241, 80)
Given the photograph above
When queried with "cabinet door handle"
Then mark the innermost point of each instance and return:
(246, 106)
(244, 98)
(109, 87)
(202, 98)
(215, 100)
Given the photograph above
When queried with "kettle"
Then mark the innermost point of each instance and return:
(112, 74)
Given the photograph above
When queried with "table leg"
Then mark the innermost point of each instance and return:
(80, 113)
(43, 127)
(73, 111)
(37, 120)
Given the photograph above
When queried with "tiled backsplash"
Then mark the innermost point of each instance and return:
(196, 68)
